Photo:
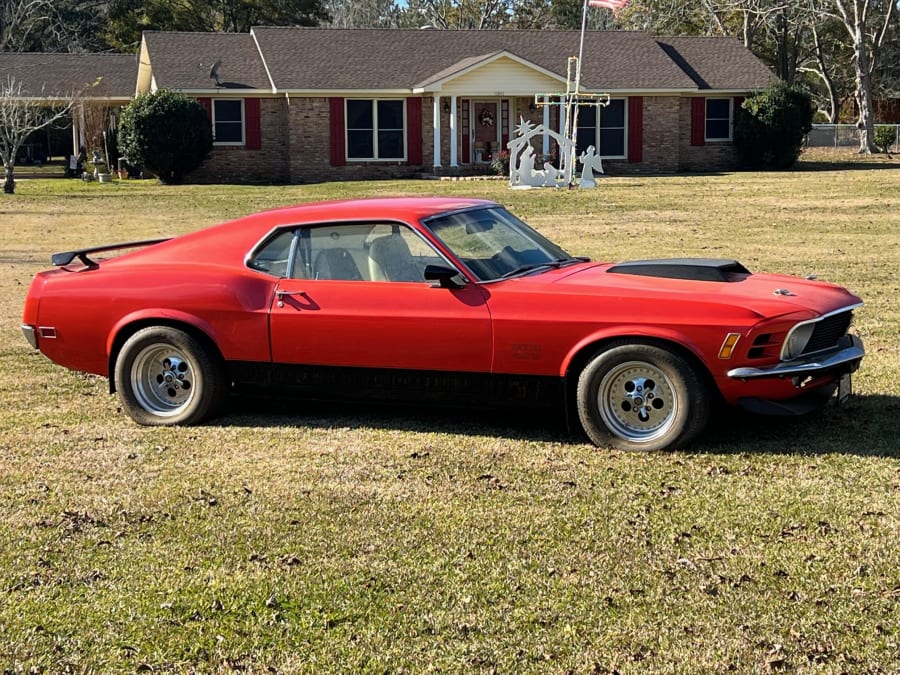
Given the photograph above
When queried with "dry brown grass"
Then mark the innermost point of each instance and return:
(312, 538)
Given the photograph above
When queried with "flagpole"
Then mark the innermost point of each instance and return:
(577, 93)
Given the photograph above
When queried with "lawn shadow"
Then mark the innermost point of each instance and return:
(533, 425)
(864, 426)
(883, 161)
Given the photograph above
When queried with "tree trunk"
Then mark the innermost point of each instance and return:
(9, 165)
(866, 124)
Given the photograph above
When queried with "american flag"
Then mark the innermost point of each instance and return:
(608, 4)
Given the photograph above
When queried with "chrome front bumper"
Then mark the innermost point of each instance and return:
(845, 360)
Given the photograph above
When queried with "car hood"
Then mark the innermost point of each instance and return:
(766, 295)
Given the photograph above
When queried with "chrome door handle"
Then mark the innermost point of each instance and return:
(281, 295)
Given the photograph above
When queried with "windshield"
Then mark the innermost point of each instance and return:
(494, 244)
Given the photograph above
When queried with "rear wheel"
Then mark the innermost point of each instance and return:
(641, 397)
(165, 376)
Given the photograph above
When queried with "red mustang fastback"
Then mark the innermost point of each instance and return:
(431, 299)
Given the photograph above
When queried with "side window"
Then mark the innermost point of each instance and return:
(604, 128)
(273, 256)
(718, 119)
(348, 252)
(396, 253)
(228, 121)
(376, 129)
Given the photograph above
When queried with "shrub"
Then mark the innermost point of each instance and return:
(770, 127)
(500, 163)
(885, 137)
(166, 133)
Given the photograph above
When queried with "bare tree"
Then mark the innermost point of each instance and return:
(21, 114)
(365, 13)
(463, 14)
(21, 21)
(827, 68)
(867, 23)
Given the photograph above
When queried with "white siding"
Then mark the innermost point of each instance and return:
(503, 77)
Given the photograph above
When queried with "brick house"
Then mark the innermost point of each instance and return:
(296, 105)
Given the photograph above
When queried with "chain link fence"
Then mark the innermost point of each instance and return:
(845, 136)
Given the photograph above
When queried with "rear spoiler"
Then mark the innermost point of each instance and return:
(66, 257)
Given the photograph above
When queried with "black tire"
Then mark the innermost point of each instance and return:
(638, 396)
(166, 377)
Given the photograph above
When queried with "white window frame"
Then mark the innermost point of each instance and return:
(375, 128)
(243, 122)
(624, 128)
(706, 118)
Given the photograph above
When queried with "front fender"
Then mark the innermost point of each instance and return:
(619, 332)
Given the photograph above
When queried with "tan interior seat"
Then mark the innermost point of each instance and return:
(336, 264)
(391, 260)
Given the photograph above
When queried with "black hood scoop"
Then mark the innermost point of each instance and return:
(694, 269)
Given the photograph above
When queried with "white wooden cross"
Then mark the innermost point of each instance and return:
(569, 102)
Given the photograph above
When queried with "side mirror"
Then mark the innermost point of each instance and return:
(447, 277)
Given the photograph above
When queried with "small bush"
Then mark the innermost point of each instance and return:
(500, 163)
(770, 127)
(166, 133)
(885, 136)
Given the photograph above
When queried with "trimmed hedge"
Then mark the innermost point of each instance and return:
(166, 133)
(771, 125)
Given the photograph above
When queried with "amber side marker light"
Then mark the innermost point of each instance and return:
(728, 345)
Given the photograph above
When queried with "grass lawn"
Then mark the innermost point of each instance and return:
(310, 538)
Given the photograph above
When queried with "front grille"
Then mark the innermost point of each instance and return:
(828, 332)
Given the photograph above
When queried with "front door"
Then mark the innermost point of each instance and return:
(485, 130)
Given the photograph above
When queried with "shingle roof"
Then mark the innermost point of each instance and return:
(323, 59)
(49, 75)
(314, 58)
(183, 60)
(717, 62)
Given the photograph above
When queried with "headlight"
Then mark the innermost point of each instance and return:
(796, 341)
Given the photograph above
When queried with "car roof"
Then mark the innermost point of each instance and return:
(234, 239)
(378, 207)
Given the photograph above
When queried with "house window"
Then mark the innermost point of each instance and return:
(375, 129)
(228, 121)
(606, 134)
(718, 119)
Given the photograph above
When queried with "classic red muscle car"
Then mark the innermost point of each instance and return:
(430, 299)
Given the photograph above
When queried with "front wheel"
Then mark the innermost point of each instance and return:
(165, 376)
(637, 396)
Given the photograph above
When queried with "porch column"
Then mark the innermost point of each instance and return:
(545, 148)
(436, 127)
(454, 160)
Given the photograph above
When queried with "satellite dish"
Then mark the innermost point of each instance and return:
(214, 72)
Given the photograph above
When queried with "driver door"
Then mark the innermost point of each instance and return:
(331, 312)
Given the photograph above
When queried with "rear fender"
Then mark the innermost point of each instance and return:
(131, 323)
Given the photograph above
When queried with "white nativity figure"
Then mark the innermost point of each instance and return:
(522, 173)
(591, 162)
(552, 175)
(527, 176)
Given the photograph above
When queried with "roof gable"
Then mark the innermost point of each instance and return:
(490, 67)
(184, 61)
